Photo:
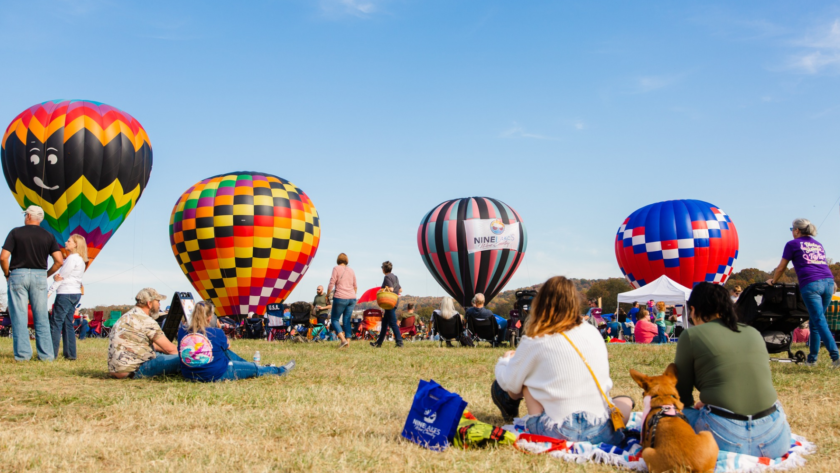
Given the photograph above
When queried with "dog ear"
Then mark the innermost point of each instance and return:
(671, 371)
(640, 379)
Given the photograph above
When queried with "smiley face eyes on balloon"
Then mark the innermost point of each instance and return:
(35, 159)
(52, 158)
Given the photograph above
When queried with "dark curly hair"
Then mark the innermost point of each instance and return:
(709, 299)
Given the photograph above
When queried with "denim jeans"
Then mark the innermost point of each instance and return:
(342, 307)
(61, 323)
(578, 427)
(238, 368)
(389, 320)
(660, 336)
(83, 328)
(161, 364)
(29, 287)
(766, 437)
(817, 297)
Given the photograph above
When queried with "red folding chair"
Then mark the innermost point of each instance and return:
(96, 324)
(371, 324)
(408, 328)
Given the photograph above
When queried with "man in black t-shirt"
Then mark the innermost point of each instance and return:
(29, 247)
(389, 319)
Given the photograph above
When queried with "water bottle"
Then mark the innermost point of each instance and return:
(257, 358)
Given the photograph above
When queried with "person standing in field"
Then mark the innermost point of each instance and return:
(322, 306)
(68, 290)
(816, 284)
(343, 288)
(661, 336)
(391, 283)
(29, 247)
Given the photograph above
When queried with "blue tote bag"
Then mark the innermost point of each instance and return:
(434, 416)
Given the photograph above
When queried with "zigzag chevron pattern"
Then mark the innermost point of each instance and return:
(85, 163)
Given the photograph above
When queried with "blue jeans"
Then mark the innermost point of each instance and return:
(61, 323)
(660, 336)
(817, 297)
(83, 328)
(29, 287)
(578, 427)
(238, 368)
(342, 307)
(390, 320)
(161, 364)
(766, 437)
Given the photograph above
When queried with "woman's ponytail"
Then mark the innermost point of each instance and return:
(805, 227)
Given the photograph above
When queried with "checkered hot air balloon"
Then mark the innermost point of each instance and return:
(472, 245)
(689, 241)
(85, 163)
(244, 239)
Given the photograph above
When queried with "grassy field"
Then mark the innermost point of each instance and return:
(337, 411)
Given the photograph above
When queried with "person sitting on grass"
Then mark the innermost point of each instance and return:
(725, 360)
(645, 331)
(205, 355)
(136, 339)
(549, 370)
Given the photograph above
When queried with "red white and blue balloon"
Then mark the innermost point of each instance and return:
(689, 241)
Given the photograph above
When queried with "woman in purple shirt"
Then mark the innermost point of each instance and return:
(816, 283)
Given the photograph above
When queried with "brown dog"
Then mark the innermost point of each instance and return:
(670, 444)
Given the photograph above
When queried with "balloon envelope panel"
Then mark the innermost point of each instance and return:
(244, 239)
(85, 163)
(689, 241)
(442, 241)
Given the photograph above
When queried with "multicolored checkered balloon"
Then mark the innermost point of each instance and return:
(689, 241)
(85, 163)
(244, 239)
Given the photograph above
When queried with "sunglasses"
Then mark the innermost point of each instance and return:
(791, 228)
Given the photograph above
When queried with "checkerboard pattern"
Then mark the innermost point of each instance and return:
(689, 241)
(244, 239)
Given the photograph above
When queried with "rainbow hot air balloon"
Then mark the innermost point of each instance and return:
(472, 245)
(689, 241)
(244, 239)
(85, 163)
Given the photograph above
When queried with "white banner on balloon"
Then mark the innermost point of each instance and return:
(491, 234)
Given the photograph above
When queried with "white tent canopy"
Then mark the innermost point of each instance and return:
(663, 289)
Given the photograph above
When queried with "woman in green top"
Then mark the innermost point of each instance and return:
(727, 362)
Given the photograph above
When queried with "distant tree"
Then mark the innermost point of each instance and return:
(608, 290)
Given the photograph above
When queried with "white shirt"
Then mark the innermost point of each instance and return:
(556, 376)
(72, 271)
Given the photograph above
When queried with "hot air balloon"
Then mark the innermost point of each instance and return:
(85, 163)
(244, 239)
(472, 245)
(689, 241)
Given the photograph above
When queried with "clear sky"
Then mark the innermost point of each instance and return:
(573, 114)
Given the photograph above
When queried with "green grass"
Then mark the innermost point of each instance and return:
(338, 410)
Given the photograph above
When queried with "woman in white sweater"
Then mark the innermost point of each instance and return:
(68, 289)
(561, 396)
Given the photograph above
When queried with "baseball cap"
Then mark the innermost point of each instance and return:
(147, 295)
(35, 211)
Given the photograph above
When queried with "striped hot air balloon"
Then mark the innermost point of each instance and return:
(244, 239)
(85, 163)
(689, 241)
(472, 245)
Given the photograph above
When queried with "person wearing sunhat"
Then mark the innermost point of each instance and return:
(138, 347)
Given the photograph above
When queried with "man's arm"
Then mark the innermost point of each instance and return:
(162, 344)
(5, 255)
(58, 260)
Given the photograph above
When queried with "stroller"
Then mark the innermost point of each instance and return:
(371, 325)
(775, 311)
(449, 329)
(407, 328)
(519, 314)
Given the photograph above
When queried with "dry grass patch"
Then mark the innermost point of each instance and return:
(337, 411)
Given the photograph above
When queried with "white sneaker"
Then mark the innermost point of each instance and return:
(835, 364)
(808, 364)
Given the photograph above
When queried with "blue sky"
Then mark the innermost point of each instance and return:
(574, 115)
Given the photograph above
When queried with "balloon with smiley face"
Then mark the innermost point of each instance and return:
(85, 163)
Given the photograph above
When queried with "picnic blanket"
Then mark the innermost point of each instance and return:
(628, 455)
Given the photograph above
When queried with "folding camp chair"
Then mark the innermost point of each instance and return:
(108, 324)
(96, 325)
(407, 328)
(451, 329)
(483, 329)
(371, 325)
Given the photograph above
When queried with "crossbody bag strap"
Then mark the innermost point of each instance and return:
(611, 406)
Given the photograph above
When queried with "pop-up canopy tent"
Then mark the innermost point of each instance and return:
(663, 289)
